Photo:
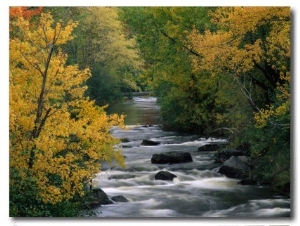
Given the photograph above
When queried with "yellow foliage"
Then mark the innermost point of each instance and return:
(238, 47)
(283, 108)
(222, 50)
(57, 136)
(107, 42)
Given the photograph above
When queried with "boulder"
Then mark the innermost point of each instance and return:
(231, 172)
(126, 146)
(171, 157)
(96, 197)
(119, 198)
(164, 175)
(124, 140)
(209, 147)
(237, 162)
(225, 154)
(150, 143)
(235, 167)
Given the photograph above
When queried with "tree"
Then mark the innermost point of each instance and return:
(252, 48)
(102, 44)
(58, 138)
(162, 35)
(222, 69)
(249, 39)
(26, 12)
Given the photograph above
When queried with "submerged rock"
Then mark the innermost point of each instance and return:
(126, 146)
(124, 140)
(150, 143)
(171, 157)
(164, 175)
(121, 177)
(209, 147)
(119, 198)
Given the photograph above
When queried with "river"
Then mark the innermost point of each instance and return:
(197, 191)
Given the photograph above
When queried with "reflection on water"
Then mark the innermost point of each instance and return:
(139, 110)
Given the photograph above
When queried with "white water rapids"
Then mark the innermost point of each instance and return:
(197, 191)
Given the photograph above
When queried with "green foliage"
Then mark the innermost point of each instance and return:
(24, 201)
(221, 69)
(102, 44)
(270, 151)
(162, 34)
(246, 49)
(58, 137)
(103, 88)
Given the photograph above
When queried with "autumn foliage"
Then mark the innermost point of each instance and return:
(223, 71)
(58, 137)
(253, 42)
(215, 71)
(25, 12)
(252, 47)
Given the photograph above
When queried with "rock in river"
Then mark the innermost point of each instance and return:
(171, 157)
(164, 175)
(209, 147)
(119, 198)
(96, 197)
(150, 143)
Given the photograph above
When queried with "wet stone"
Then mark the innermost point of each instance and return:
(171, 157)
(164, 175)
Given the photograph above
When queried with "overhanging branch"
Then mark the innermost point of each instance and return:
(175, 41)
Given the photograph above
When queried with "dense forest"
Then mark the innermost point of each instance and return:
(216, 71)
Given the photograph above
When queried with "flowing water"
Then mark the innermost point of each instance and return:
(197, 191)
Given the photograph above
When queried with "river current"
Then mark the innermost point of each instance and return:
(197, 191)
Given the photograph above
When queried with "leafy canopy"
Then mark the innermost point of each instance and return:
(58, 138)
(251, 46)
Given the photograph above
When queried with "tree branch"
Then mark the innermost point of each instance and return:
(43, 121)
(231, 130)
(174, 41)
(280, 171)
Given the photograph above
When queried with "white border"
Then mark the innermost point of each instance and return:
(5, 220)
